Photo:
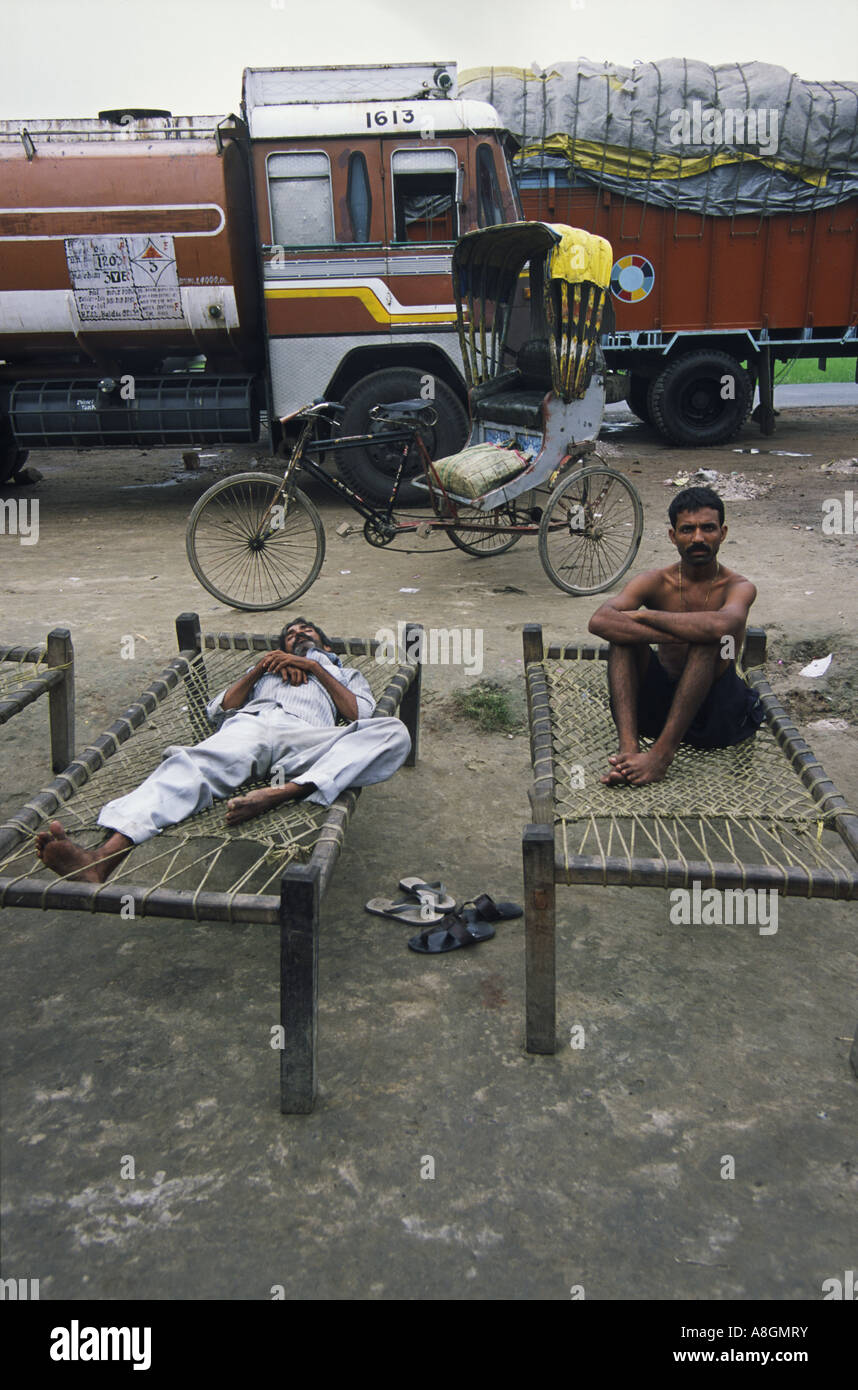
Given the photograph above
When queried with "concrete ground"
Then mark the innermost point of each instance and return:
(442, 1161)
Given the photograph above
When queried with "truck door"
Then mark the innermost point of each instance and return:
(324, 213)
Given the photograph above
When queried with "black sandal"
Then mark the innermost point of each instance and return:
(450, 935)
(485, 909)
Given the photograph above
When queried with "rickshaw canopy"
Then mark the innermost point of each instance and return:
(497, 255)
(570, 270)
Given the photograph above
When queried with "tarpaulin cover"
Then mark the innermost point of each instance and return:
(726, 140)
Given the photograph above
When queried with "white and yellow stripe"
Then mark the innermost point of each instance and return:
(376, 297)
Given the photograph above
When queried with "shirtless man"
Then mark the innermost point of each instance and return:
(278, 721)
(688, 689)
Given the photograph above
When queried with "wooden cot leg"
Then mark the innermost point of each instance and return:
(409, 709)
(300, 897)
(188, 632)
(190, 639)
(754, 651)
(531, 636)
(60, 652)
(538, 854)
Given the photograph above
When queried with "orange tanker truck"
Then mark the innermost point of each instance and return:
(166, 280)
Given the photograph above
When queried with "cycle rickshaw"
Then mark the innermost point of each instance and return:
(535, 375)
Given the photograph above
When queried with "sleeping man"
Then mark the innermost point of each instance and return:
(695, 613)
(279, 721)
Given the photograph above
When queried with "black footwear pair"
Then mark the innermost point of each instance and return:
(468, 926)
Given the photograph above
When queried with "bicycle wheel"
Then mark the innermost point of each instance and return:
(590, 531)
(482, 539)
(248, 548)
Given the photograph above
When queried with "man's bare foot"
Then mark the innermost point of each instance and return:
(69, 860)
(262, 799)
(615, 777)
(639, 769)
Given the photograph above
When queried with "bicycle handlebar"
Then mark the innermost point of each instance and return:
(315, 408)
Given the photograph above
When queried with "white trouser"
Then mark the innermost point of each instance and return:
(270, 743)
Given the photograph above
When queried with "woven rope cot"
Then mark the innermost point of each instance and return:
(763, 814)
(18, 671)
(201, 850)
(272, 869)
(27, 673)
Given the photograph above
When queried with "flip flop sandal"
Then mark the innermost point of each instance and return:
(433, 893)
(485, 909)
(451, 935)
(404, 912)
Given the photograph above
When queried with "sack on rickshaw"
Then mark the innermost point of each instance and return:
(476, 471)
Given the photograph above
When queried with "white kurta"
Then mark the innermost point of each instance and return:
(266, 739)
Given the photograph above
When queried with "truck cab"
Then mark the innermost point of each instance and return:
(364, 179)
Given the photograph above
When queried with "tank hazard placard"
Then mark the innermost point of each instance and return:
(118, 279)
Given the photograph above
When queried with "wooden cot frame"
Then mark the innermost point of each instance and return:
(57, 682)
(296, 909)
(542, 871)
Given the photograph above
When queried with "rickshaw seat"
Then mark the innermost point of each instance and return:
(515, 397)
(523, 408)
(534, 363)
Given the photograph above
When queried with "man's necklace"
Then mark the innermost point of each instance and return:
(711, 586)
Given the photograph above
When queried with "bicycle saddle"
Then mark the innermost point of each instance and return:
(417, 412)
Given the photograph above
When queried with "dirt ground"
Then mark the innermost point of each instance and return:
(597, 1167)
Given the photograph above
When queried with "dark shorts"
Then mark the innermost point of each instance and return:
(730, 713)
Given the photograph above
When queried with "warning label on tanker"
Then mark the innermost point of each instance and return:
(120, 279)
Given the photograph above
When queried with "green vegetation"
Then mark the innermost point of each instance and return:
(488, 704)
(805, 371)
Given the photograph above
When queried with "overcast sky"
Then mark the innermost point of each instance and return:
(74, 57)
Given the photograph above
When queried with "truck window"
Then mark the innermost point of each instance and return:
(359, 198)
(302, 210)
(489, 209)
(424, 195)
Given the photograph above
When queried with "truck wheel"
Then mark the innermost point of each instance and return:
(371, 471)
(637, 398)
(686, 401)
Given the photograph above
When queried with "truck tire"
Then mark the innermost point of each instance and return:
(686, 404)
(371, 471)
(637, 397)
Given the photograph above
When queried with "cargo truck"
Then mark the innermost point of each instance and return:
(705, 307)
(730, 197)
(166, 280)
